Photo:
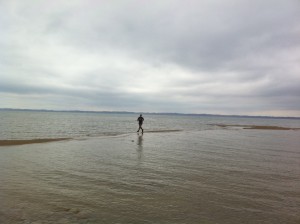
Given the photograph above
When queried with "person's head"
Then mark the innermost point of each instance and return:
(140, 115)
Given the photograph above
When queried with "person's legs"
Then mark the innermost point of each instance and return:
(140, 127)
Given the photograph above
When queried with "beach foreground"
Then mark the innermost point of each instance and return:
(212, 176)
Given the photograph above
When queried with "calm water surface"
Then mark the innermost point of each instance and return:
(107, 173)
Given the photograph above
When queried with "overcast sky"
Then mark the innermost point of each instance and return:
(192, 56)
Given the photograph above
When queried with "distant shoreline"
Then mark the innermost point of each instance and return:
(147, 113)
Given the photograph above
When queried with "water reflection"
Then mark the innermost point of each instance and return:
(140, 146)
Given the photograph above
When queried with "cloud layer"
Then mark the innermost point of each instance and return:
(225, 57)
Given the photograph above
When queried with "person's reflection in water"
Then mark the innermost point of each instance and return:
(140, 146)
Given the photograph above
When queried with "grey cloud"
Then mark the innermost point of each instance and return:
(182, 55)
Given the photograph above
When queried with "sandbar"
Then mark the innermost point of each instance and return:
(29, 141)
(263, 127)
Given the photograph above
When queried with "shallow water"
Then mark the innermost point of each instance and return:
(43, 125)
(201, 174)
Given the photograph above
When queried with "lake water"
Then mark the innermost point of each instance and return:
(107, 173)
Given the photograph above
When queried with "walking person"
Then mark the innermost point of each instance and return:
(140, 120)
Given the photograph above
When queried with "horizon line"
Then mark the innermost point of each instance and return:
(153, 113)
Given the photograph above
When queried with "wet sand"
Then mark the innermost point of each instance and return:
(256, 127)
(161, 131)
(29, 141)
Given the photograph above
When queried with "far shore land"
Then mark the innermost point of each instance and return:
(34, 141)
